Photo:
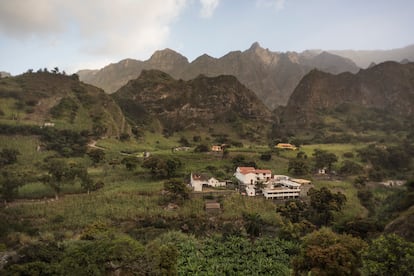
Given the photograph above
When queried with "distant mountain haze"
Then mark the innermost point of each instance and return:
(271, 75)
(363, 58)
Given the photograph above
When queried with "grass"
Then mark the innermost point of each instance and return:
(27, 146)
(353, 207)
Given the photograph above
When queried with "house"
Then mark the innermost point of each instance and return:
(286, 146)
(393, 183)
(216, 148)
(48, 124)
(198, 180)
(251, 175)
(281, 187)
(212, 182)
(322, 171)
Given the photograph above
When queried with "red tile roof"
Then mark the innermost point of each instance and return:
(246, 170)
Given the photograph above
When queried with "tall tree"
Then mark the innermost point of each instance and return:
(10, 181)
(8, 156)
(58, 174)
(324, 159)
(96, 155)
(389, 255)
(324, 252)
(325, 204)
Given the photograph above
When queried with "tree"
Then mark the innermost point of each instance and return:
(177, 190)
(389, 255)
(298, 167)
(184, 142)
(201, 148)
(161, 168)
(8, 156)
(325, 204)
(55, 70)
(58, 174)
(10, 181)
(81, 173)
(324, 252)
(324, 159)
(96, 155)
(253, 223)
(130, 163)
(293, 210)
(266, 156)
(349, 167)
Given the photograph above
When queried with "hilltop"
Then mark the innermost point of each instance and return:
(380, 97)
(61, 101)
(200, 103)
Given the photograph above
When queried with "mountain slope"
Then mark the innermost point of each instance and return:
(36, 98)
(198, 103)
(387, 88)
(271, 75)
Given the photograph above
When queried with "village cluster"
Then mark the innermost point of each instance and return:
(255, 182)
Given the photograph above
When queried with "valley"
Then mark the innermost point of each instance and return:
(100, 184)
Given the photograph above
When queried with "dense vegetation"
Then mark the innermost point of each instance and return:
(74, 206)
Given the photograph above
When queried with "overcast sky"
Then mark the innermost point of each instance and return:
(89, 34)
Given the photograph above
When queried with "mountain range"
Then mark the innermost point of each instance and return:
(271, 75)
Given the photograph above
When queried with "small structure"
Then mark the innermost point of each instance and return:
(181, 149)
(286, 146)
(250, 190)
(216, 148)
(212, 207)
(48, 124)
(322, 171)
(393, 183)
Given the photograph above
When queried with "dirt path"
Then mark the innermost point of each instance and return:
(92, 144)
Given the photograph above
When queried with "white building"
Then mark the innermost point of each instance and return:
(198, 180)
(281, 187)
(250, 175)
(212, 182)
(250, 191)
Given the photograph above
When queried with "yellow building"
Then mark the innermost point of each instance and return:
(286, 146)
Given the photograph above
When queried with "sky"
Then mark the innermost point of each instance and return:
(89, 34)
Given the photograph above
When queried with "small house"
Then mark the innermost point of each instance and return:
(286, 146)
(212, 207)
(197, 181)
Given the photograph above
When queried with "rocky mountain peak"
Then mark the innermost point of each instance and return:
(167, 55)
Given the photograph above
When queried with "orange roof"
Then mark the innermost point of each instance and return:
(246, 170)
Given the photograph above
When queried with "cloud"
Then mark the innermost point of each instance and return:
(278, 5)
(100, 27)
(208, 7)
